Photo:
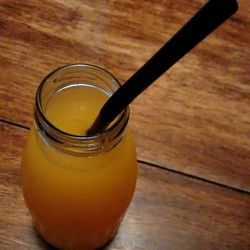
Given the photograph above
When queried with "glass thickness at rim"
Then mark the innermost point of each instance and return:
(68, 135)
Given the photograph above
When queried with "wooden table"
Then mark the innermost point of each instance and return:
(192, 127)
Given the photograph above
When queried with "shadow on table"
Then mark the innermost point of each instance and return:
(41, 242)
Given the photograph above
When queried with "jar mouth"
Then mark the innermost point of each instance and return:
(58, 135)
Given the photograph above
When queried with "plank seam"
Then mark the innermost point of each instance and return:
(156, 166)
(194, 177)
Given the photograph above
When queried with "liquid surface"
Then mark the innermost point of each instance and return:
(74, 109)
(77, 202)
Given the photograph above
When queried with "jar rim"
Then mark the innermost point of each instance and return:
(124, 115)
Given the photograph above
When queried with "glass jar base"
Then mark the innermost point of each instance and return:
(43, 240)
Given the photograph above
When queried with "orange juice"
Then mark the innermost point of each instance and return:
(77, 199)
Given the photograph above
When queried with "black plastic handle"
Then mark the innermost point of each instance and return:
(212, 15)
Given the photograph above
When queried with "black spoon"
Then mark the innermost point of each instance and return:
(213, 14)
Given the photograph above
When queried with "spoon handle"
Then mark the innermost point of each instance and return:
(213, 14)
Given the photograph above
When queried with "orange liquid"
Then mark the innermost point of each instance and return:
(77, 202)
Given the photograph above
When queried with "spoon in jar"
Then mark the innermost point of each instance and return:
(208, 18)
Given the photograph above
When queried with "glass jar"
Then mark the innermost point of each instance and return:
(77, 187)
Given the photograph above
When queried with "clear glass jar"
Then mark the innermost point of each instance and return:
(77, 187)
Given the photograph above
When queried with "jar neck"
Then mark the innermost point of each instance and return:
(68, 143)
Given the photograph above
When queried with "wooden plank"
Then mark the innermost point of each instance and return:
(169, 211)
(194, 119)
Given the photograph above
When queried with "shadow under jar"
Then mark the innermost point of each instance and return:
(77, 187)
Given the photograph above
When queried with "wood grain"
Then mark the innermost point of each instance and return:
(169, 211)
(195, 119)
